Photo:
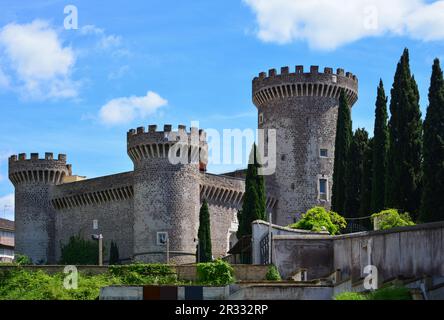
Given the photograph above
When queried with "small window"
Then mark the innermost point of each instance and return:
(162, 238)
(283, 157)
(323, 189)
(323, 153)
(261, 118)
(334, 79)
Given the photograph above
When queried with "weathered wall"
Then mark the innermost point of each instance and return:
(302, 108)
(408, 251)
(106, 199)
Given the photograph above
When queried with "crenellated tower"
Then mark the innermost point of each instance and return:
(166, 192)
(302, 107)
(34, 180)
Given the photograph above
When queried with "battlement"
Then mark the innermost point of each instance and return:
(154, 143)
(35, 169)
(287, 84)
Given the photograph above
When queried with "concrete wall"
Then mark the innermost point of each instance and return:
(409, 251)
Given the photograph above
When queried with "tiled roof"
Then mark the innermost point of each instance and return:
(6, 224)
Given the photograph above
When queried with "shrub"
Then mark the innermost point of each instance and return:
(21, 259)
(273, 274)
(391, 293)
(218, 273)
(79, 251)
(318, 219)
(391, 218)
(350, 296)
(114, 254)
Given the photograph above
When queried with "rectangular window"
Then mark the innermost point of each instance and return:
(323, 153)
(261, 118)
(162, 238)
(323, 189)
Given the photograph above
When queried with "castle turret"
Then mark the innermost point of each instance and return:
(34, 180)
(166, 192)
(302, 107)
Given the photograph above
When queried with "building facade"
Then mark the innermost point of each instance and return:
(6, 240)
(152, 212)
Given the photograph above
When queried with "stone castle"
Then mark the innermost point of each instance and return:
(140, 209)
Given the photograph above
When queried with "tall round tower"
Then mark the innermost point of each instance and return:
(303, 108)
(166, 192)
(34, 180)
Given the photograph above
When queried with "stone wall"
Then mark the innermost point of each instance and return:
(113, 213)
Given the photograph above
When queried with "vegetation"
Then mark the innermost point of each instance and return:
(217, 273)
(79, 251)
(403, 181)
(253, 207)
(204, 253)
(380, 148)
(318, 219)
(273, 274)
(342, 146)
(367, 181)
(20, 284)
(391, 218)
(386, 293)
(114, 254)
(355, 173)
(21, 259)
(432, 208)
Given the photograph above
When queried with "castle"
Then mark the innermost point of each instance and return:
(160, 200)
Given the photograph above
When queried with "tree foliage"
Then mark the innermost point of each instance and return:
(318, 219)
(391, 218)
(79, 251)
(204, 234)
(342, 146)
(114, 254)
(432, 207)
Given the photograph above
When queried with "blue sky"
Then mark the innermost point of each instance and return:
(134, 63)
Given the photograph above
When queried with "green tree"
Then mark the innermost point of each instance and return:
(253, 206)
(367, 182)
(355, 172)
(114, 254)
(318, 219)
(204, 234)
(432, 207)
(380, 149)
(344, 136)
(80, 251)
(403, 178)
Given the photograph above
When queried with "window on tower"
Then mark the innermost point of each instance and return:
(323, 189)
(323, 153)
(261, 118)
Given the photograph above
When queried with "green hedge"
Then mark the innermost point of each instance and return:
(217, 273)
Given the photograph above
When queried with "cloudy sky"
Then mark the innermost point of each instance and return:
(132, 63)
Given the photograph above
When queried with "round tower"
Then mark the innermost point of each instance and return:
(302, 107)
(34, 180)
(166, 192)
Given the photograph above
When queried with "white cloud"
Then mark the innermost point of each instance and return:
(4, 79)
(7, 206)
(125, 109)
(105, 41)
(327, 24)
(40, 62)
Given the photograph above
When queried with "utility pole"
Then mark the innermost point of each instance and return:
(100, 250)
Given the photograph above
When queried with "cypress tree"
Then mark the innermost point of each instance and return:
(403, 178)
(113, 254)
(367, 182)
(432, 208)
(354, 173)
(380, 149)
(204, 234)
(253, 206)
(342, 146)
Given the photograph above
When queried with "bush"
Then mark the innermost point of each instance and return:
(391, 218)
(387, 293)
(391, 293)
(218, 273)
(79, 251)
(21, 259)
(273, 274)
(350, 296)
(318, 219)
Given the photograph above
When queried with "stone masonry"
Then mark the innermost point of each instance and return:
(160, 199)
